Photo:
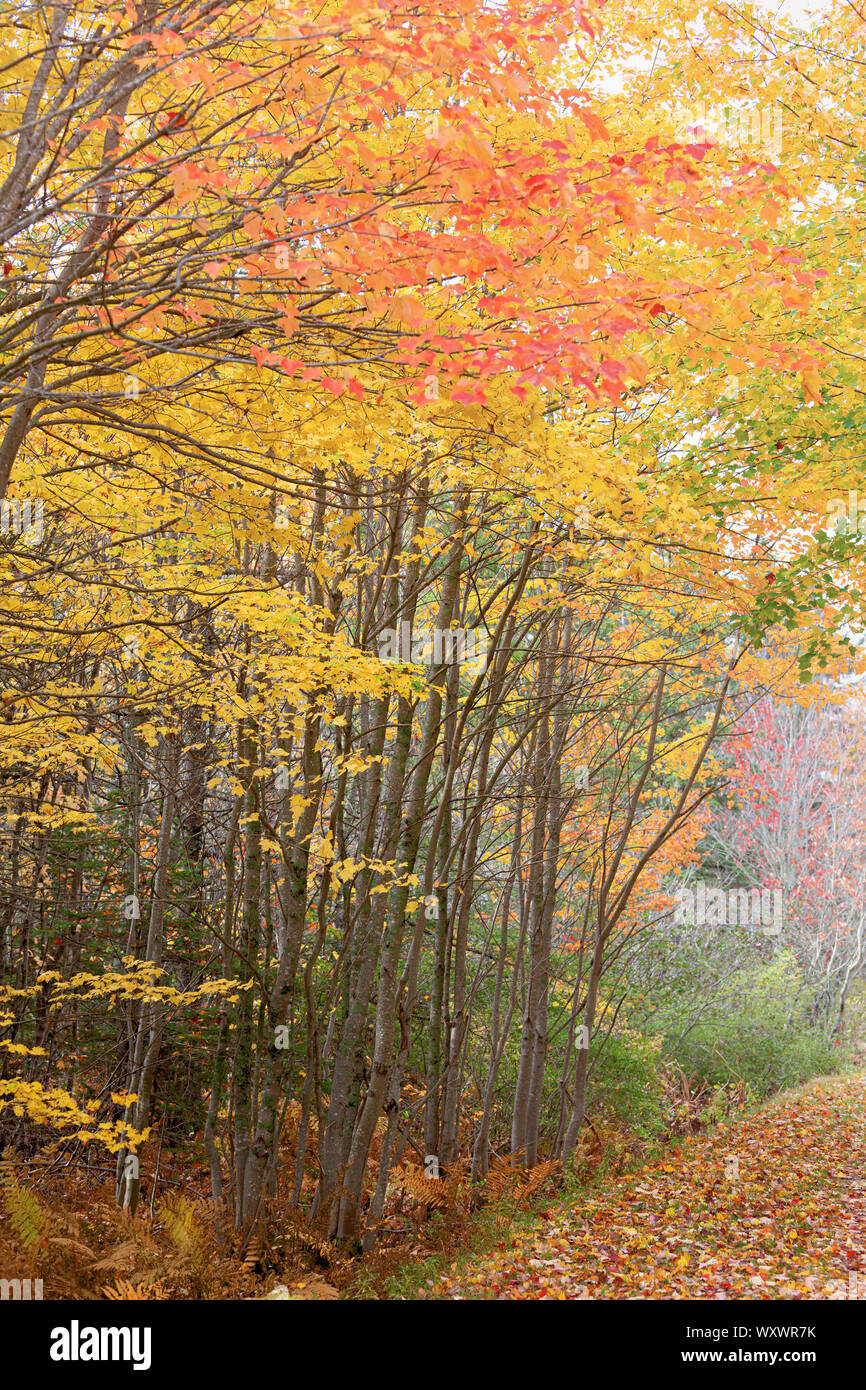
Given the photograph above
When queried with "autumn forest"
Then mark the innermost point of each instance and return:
(432, 657)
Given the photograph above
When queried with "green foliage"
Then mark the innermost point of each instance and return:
(760, 1032)
(26, 1217)
(625, 1081)
(177, 1214)
(178, 1217)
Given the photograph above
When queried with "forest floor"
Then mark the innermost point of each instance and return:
(767, 1204)
(770, 1205)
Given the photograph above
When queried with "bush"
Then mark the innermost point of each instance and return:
(625, 1081)
(760, 1033)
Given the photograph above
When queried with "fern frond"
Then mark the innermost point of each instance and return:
(307, 1237)
(538, 1175)
(26, 1216)
(503, 1175)
(177, 1215)
(138, 1293)
(440, 1194)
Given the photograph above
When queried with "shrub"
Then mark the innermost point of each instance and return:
(760, 1033)
(625, 1081)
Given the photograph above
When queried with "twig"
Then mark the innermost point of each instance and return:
(156, 1168)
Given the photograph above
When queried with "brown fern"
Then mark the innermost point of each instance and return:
(538, 1175)
(139, 1293)
(302, 1235)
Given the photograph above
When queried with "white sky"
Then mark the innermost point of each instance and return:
(792, 9)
